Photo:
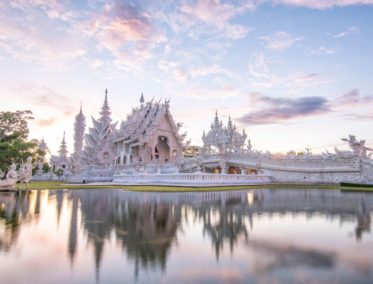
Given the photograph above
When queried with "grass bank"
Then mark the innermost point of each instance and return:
(149, 188)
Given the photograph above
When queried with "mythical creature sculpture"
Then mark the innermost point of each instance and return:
(11, 178)
(25, 172)
(357, 147)
(39, 167)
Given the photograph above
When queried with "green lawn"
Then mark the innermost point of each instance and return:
(61, 185)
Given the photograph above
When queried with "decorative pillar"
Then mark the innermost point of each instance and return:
(129, 155)
(223, 166)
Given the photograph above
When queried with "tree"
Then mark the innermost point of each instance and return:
(14, 124)
(46, 167)
(14, 146)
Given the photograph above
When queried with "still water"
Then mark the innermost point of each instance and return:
(250, 236)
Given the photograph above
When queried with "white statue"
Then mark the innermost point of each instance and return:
(39, 167)
(357, 147)
(25, 172)
(11, 178)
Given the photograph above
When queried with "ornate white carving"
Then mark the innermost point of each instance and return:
(224, 139)
(149, 133)
(98, 142)
(79, 129)
(10, 180)
(25, 172)
(357, 147)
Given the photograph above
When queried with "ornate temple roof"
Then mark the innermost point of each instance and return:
(143, 121)
(224, 138)
(98, 140)
(62, 154)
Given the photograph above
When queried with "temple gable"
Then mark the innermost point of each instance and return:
(149, 134)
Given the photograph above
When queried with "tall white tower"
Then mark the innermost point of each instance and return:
(79, 129)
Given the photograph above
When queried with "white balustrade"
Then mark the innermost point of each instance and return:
(191, 178)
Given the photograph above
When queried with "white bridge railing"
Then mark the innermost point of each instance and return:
(191, 178)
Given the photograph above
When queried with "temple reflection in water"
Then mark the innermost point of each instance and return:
(147, 227)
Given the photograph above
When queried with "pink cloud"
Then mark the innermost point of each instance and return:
(46, 122)
(44, 96)
(322, 4)
(208, 17)
(280, 40)
(30, 35)
(129, 34)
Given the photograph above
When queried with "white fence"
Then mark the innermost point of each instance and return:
(191, 179)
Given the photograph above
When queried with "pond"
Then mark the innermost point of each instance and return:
(246, 236)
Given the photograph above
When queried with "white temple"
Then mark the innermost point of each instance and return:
(99, 140)
(148, 136)
(61, 161)
(79, 130)
(148, 148)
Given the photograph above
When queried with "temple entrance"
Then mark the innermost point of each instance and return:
(234, 170)
(162, 150)
(252, 171)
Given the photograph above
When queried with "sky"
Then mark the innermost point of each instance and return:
(293, 73)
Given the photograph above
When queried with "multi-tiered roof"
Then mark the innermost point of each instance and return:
(98, 142)
(144, 120)
(62, 160)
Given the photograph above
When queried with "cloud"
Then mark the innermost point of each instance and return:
(258, 66)
(27, 33)
(349, 31)
(351, 98)
(224, 92)
(323, 50)
(128, 33)
(270, 110)
(46, 122)
(54, 33)
(354, 116)
(262, 77)
(202, 71)
(43, 96)
(180, 71)
(280, 40)
(208, 17)
(277, 110)
(321, 4)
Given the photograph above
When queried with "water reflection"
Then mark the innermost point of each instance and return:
(269, 234)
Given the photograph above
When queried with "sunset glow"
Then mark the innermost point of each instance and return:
(293, 73)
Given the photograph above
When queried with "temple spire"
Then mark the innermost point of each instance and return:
(105, 110)
(98, 140)
(216, 121)
(63, 148)
(79, 129)
(230, 126)
(142, 100)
